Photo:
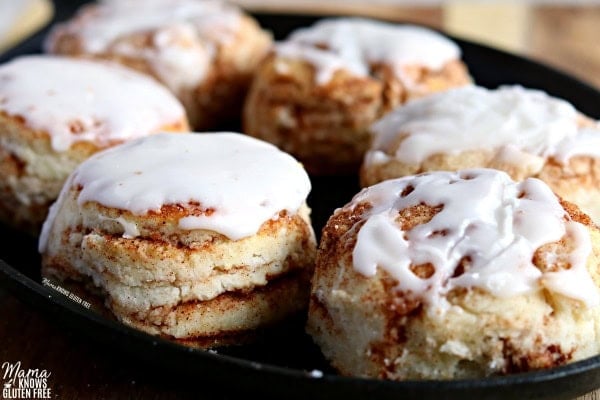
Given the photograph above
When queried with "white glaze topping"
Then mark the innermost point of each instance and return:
(356, 44)
(586, 142)
(243, 180)
(497, 223)
(520, 123)
(184, 34)
(78, 100)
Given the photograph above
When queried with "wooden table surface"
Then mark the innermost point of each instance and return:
(565, 37)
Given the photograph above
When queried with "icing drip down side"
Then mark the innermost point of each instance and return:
(357, 44)
(243, 181)
(84, 101)
(585, 142)
(484, 217)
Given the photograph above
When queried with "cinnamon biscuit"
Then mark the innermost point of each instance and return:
(199, 238)
(318, 92)
(450, 275)
(523, 132)
(204, 51)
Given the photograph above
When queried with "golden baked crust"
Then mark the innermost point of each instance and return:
(33, 172)
(196, 286)
(326, 125)
(367, 328)
(217, 98)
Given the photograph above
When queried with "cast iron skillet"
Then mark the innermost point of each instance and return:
(280, 363)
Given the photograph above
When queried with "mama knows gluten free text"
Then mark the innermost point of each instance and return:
(20, 383)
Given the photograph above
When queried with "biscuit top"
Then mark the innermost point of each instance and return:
(357, 44)
(239, 182)
(177, 37)
(487, 221)
(512, 119)
(84, 101)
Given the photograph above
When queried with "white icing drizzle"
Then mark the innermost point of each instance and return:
(356, 44)
(130, 229)
(497, 223)
(176, 58)
(84, 101)
(522, 124)
(184, 34)
(243, 180)
(586, 142)
(325, 62)
(575, 282)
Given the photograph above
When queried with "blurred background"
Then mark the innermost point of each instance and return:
(562, 33)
